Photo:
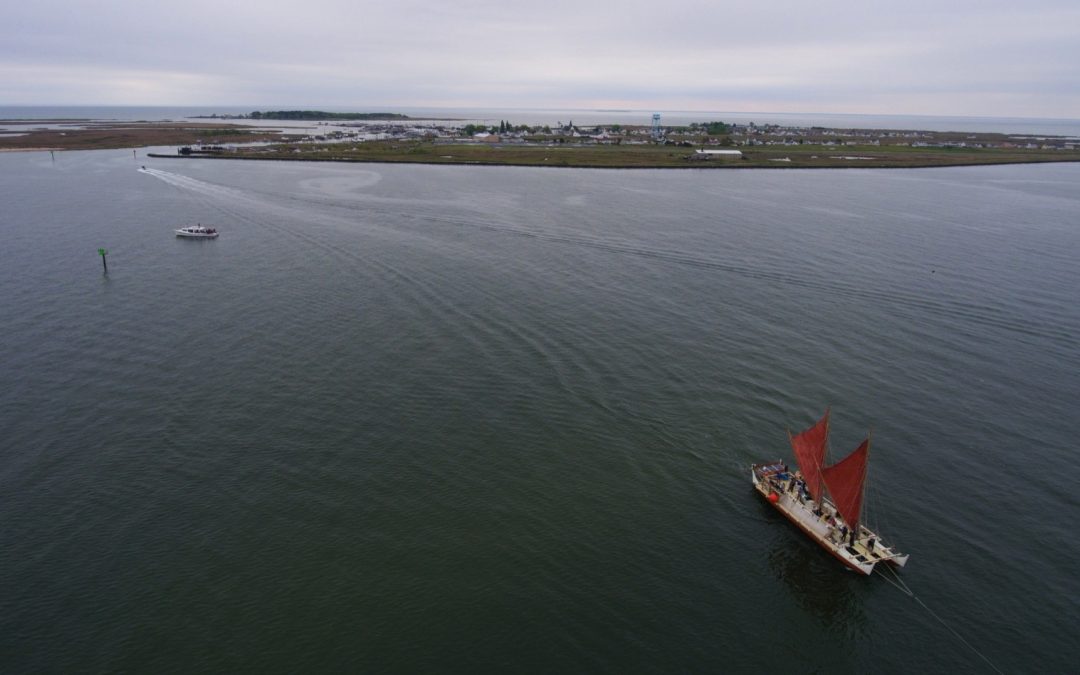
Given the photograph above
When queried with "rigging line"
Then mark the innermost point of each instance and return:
(899, 583)
(906, 590)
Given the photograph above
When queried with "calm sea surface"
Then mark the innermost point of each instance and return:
(465, 419)
(1005, 125)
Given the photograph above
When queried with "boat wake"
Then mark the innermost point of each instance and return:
(979, 314)
(433, 219)
(194, 185)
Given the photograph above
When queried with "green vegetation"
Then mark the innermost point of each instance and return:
(320, 115)
(503, 128)
(427, 152)
(134, 135)
(716, 128)
(226, 132)
(570, 154)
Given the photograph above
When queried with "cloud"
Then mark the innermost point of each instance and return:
(961, 57)
(105, 85)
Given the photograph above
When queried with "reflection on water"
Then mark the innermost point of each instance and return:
(819, 584)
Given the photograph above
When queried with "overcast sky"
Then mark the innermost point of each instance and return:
(940, 57)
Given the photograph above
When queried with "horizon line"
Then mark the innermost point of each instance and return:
(386, 108)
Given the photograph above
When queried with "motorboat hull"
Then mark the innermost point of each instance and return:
(185, 234)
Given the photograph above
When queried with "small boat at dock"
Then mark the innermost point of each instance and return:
(197, 232)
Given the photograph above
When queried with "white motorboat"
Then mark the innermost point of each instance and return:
(197, 232)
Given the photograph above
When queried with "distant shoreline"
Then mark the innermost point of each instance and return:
(708, 145)
(614, 167)
(312, 116)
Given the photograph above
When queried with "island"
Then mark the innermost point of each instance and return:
(391, 137)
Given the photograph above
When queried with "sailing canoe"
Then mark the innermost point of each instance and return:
(825, 501)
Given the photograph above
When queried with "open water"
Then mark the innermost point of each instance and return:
(482, 419)
(1005, 125)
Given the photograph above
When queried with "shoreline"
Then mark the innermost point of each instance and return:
(713, 145)
(714, 167)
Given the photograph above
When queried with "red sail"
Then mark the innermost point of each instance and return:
(809, 447)
(845, 482)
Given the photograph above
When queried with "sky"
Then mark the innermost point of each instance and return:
(919, 57)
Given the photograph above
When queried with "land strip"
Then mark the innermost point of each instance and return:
(643, 156)
(97, 135)
(708, 145)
